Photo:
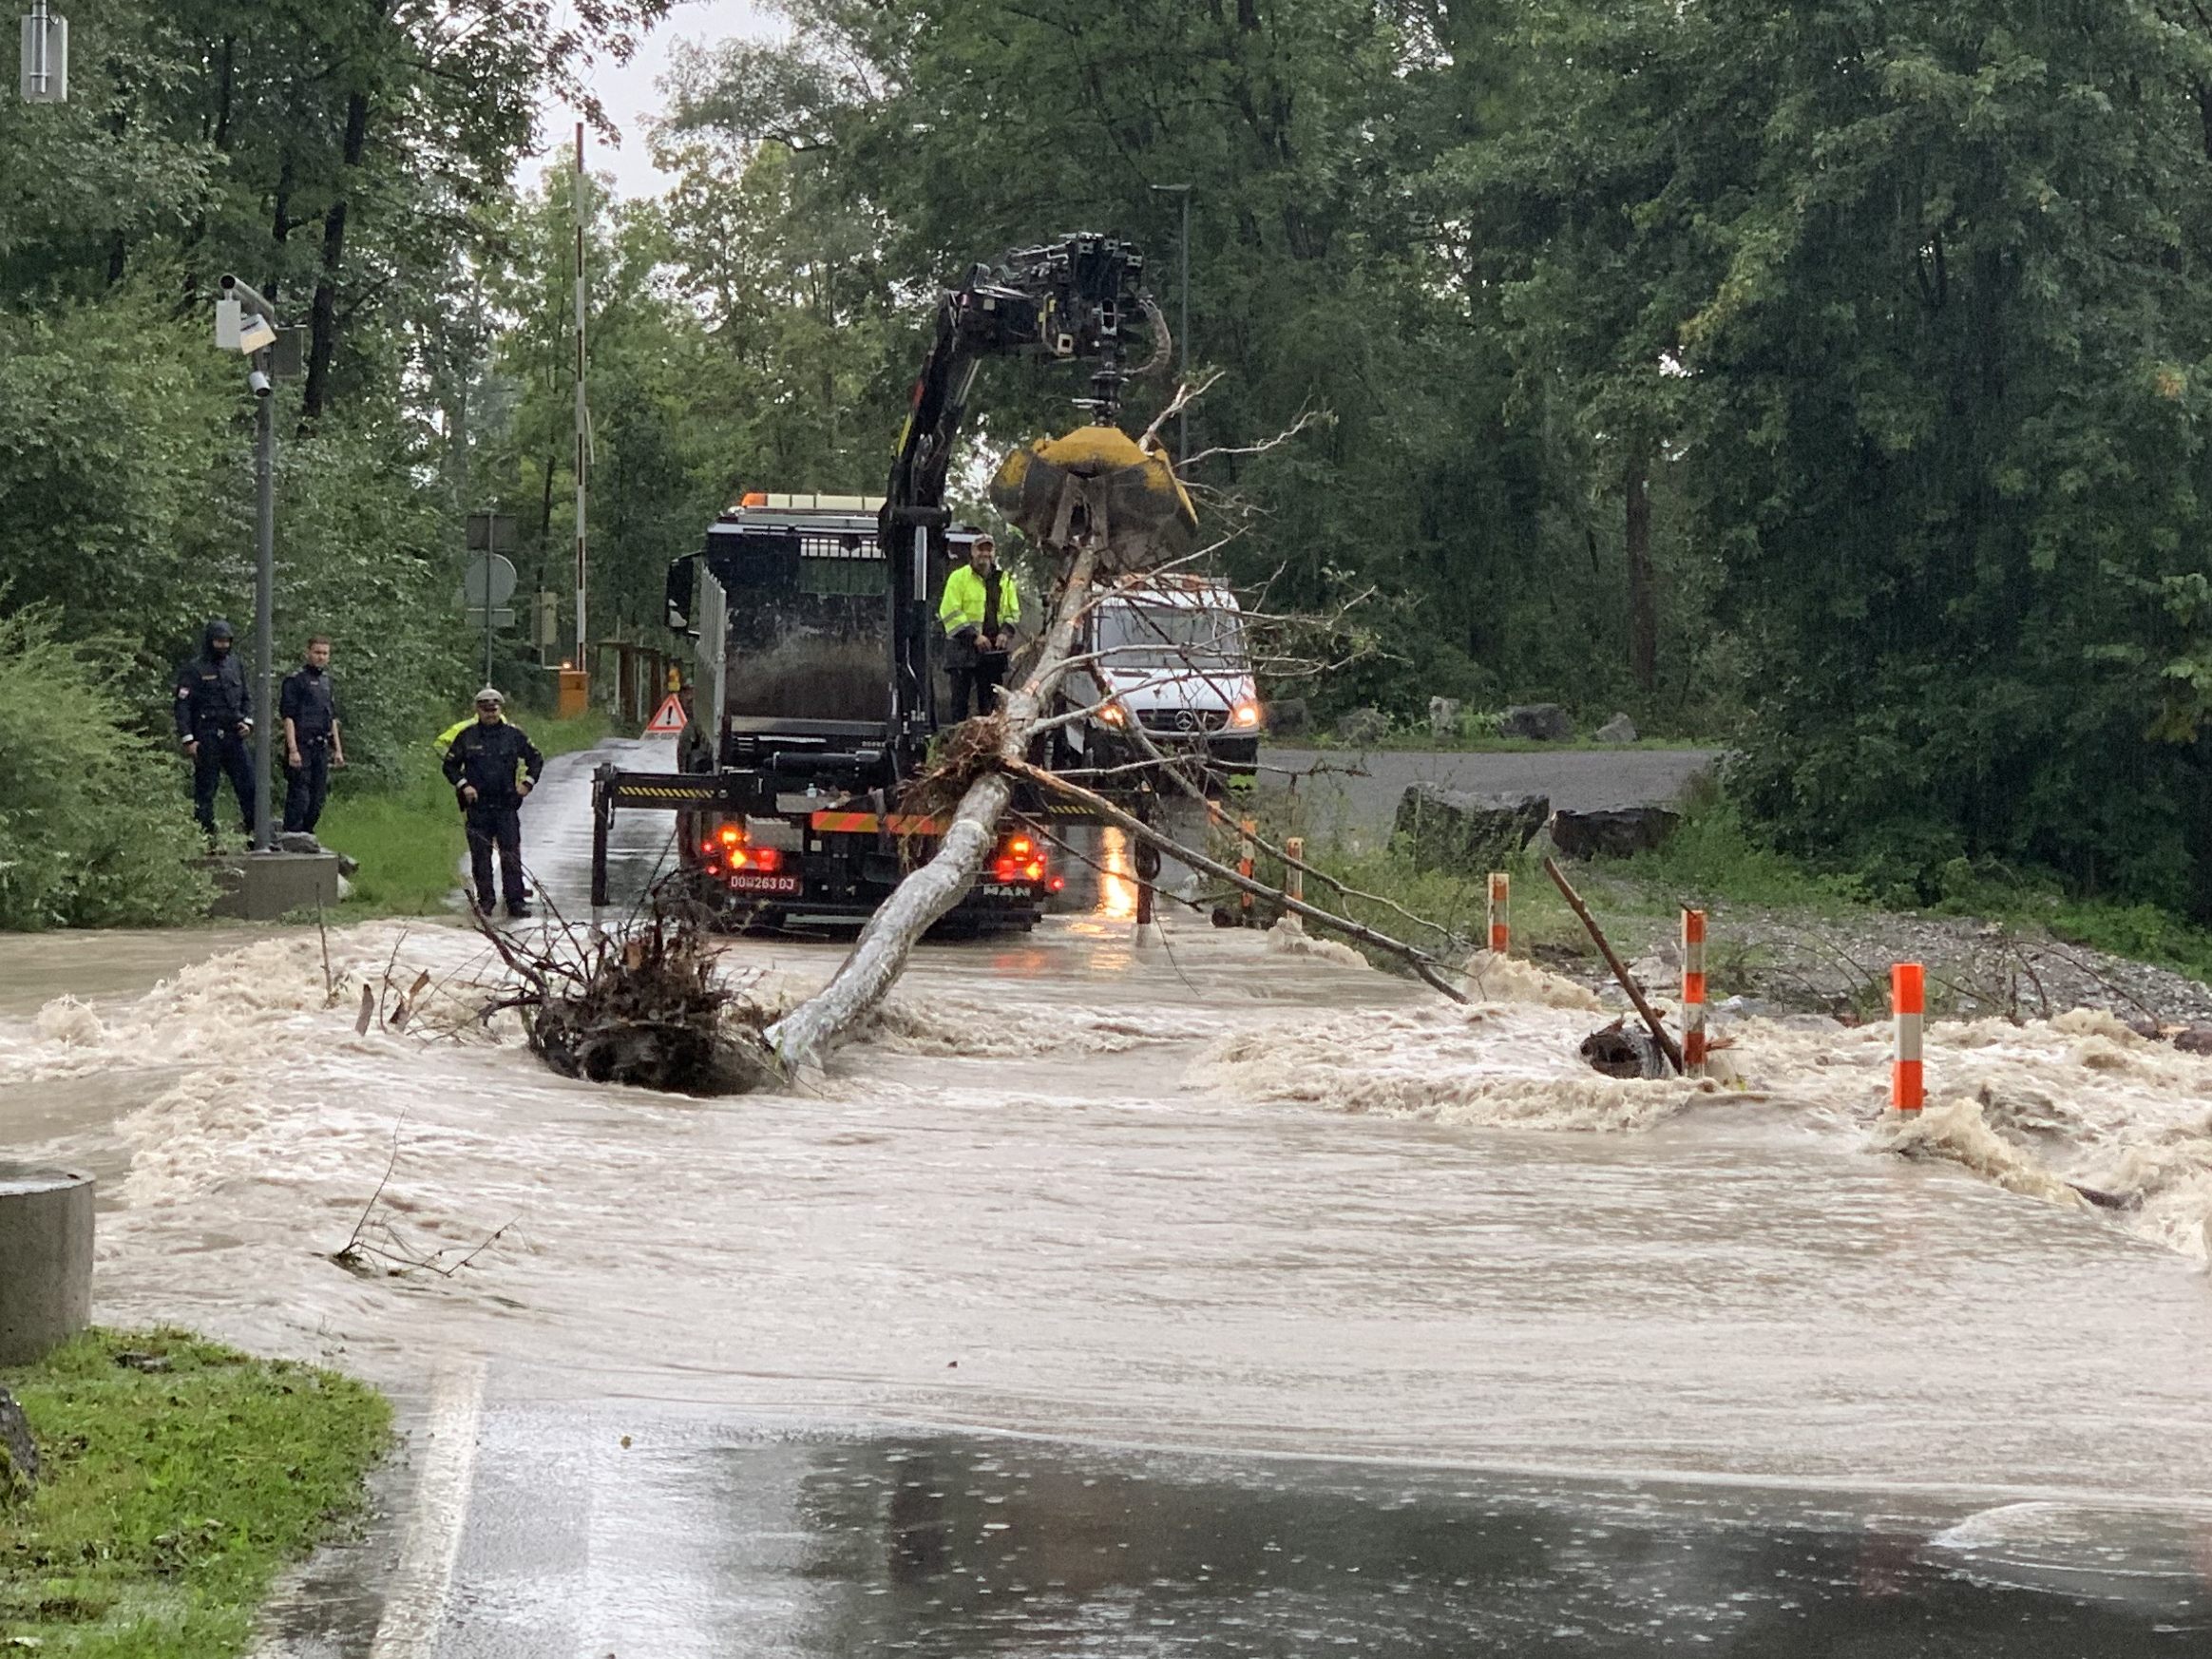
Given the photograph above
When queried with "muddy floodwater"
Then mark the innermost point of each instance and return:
(1284, 1303)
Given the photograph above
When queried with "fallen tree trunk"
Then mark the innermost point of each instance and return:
(879, 956)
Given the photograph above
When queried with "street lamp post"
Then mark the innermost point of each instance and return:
(1183, 327)
(255, 341)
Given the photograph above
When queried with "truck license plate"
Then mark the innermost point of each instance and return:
(742, 882)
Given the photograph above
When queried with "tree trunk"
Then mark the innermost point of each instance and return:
(1642, 594)
(879, 956)
(280, 228)
(225, 85)
(323, 341)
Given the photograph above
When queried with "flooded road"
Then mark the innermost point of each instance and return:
(1607, 1365)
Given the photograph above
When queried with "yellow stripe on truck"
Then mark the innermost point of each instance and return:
(867, 823)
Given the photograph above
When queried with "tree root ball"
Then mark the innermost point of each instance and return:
(678, 1056)
(648, 1009)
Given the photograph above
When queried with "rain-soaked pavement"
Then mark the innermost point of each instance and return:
(1201, 1297)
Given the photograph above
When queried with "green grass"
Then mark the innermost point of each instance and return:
(407, 840)
(172, 1496)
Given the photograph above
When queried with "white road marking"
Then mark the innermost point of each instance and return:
(414, 1605)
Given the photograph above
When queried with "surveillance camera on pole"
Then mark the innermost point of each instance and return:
(260, 382)
(45, 56)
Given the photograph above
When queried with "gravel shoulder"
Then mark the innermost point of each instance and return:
(1804, 962)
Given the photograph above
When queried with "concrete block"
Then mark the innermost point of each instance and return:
(261, 887)
(45, 1260)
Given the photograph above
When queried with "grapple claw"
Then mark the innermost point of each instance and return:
(1096, 483)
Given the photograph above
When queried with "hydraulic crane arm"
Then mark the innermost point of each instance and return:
(1068, 300)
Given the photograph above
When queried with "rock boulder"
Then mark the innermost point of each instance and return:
(1537, 722)
(1363, 726)
(1443, 717)
(1620, 729)
(1468, 832)
(1612, 831)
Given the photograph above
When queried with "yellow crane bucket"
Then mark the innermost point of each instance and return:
(1097, 481)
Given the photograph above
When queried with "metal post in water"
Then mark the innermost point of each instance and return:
(1145, 860)
(1907, 998)
(1247, 853)
(1500, 913)
(1293, 877)
(1693, 993)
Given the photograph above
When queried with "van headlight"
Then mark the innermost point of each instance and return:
(1245, 716)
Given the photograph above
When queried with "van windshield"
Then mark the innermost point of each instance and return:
(1141, 636)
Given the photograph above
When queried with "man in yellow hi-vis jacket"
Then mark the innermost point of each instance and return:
(980, 609)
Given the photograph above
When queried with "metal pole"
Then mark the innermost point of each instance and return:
(1183, 340)
(488, 616)
(582, 416)
(1183, 327)
(264, 609)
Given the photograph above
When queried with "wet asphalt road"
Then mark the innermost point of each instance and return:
(624, 1530)
(1348, 790)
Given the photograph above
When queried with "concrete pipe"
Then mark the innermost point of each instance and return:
(45, 1260)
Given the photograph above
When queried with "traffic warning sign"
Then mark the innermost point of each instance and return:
(667, 720)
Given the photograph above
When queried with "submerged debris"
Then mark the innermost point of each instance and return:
(645, 1007)
(1621, 1051)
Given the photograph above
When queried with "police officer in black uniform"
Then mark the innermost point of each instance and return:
(215, 716)
(482, 766)
(312, 743)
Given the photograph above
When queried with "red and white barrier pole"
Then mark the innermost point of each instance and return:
(1908, 993)
(1500, 913)
(1693, 994)
(1247, 857)
(1294, 878)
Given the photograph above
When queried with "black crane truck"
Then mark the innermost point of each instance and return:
(814, 700)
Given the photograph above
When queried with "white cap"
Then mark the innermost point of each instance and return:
(489, 694)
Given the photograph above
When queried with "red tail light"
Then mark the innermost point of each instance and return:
(1020, 859)
(730, 843)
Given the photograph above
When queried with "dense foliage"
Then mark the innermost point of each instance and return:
(1827, 374)
(92, 830)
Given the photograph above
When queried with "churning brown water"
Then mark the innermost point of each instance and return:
(1214, 1194)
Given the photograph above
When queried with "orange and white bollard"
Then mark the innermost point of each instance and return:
(1247, 856)
(1693, 994)
(1908, 994)
(1294, 878)
(1500, 913)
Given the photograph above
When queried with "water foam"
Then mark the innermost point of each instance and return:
(1497, 1066)
(1508, 979)
(930, 1023)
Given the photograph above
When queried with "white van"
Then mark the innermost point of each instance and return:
(1167, 653)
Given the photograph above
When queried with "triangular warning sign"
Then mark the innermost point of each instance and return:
(667, 720)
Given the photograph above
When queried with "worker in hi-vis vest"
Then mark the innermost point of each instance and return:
(980, 610)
